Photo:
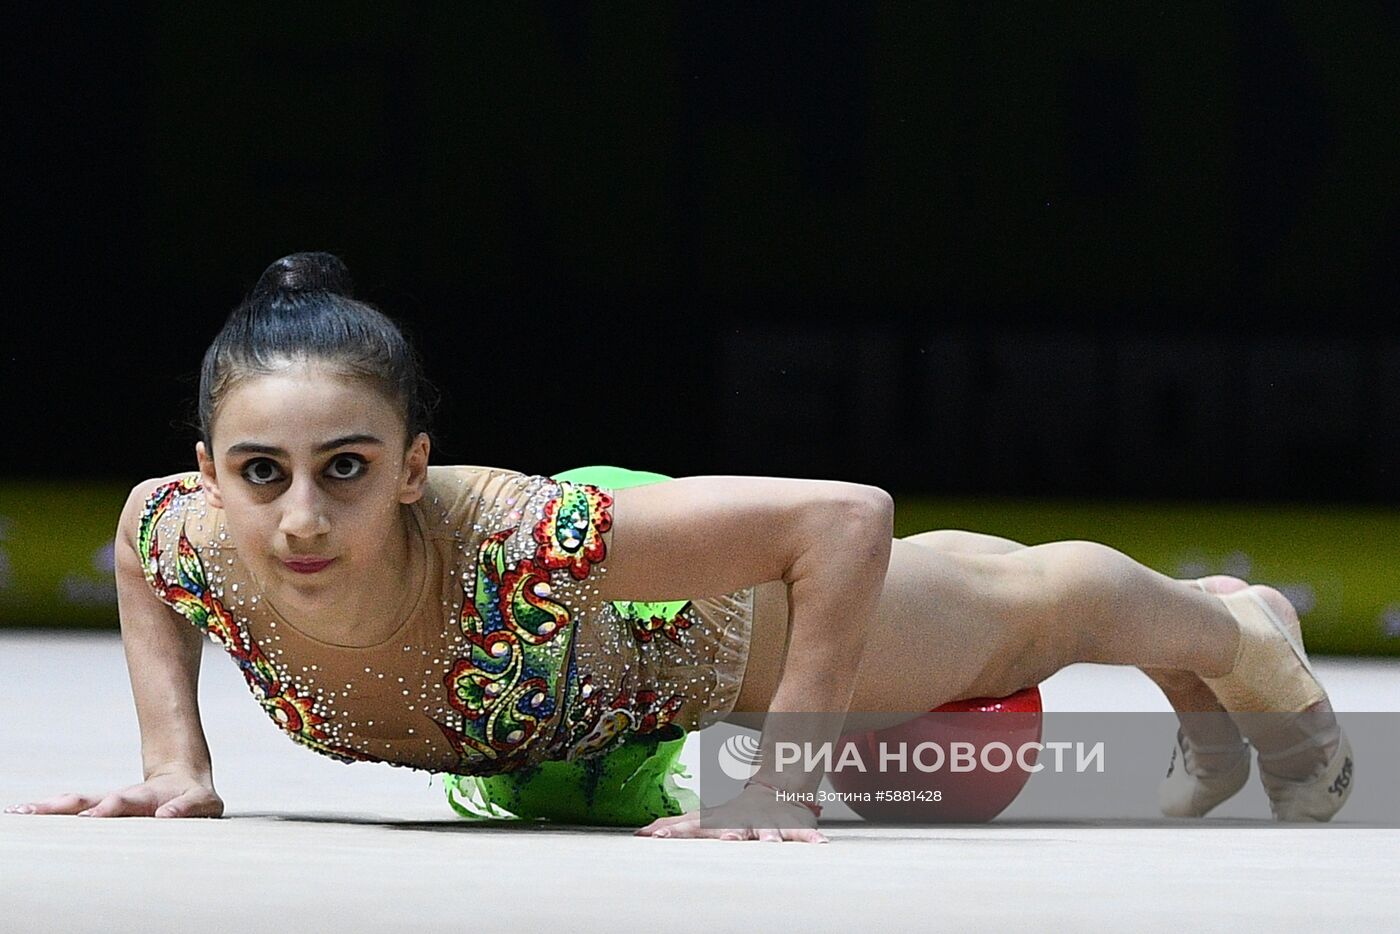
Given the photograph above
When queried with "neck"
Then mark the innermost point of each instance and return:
(378, 606)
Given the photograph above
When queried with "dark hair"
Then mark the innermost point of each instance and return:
(302, 309)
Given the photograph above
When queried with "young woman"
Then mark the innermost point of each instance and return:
(469, 620)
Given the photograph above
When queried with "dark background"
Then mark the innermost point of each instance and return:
(1139, 250)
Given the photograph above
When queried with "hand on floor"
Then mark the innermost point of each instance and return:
(755, 814)
(169, 794)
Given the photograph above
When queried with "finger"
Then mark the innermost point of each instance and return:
(70, 803)
(120, 804)
(809, 835)
(655, 825)
(685, 827)
(175, 807)
(190, 804)
(723, 833)
(660, 822)
(697, 830)
(770, 836)
(745, 833)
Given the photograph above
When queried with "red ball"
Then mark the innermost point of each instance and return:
(944, 794)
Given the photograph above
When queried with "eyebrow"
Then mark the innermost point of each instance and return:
(252, 447)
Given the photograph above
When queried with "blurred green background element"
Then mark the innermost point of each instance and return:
(56, 554)
(1337, 565)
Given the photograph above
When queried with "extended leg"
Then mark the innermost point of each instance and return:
(954, 625)
(1214, 761)
(1207, 728)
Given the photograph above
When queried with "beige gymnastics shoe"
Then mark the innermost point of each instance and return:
(1314, 799)
(1190, 791)
(1272, 674)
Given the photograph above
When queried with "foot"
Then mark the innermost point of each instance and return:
(1318, 797)
(1192, 788)
(1221, 583)
(1305, 760)
(1210, 760)
(1270, 671)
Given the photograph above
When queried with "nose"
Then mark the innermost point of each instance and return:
(303, 511)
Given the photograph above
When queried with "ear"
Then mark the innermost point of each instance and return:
(206, 473)
(415, 469)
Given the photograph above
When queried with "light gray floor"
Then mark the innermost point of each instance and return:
(313, 845)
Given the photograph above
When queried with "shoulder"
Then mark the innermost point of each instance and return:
(162, 507)
(562, 524)
(478, 492)
(453, 496)
(176, 534)
(178, 484)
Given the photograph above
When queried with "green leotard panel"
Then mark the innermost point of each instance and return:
(631, 785)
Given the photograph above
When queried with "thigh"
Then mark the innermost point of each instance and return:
(948, 627)
(964, 542)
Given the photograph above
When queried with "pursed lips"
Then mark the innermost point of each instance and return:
(306, 565)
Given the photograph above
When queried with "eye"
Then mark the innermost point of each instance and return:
(262, 472)
(346, 467)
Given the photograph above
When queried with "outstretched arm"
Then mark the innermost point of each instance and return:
(162, 655)
(829, 541)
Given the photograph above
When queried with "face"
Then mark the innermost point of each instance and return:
(310, 469)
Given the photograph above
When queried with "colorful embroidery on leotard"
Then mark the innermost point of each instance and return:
(647, 619)
(521, 669)
(510, 681)
(639, 712)
(571, 533)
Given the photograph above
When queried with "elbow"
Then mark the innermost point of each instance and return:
(851, 526)
(868, 518)
(883, 506)
(868, 505)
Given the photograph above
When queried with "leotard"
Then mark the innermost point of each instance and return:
(508, 659)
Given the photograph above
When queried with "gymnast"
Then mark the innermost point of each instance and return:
(477, 621)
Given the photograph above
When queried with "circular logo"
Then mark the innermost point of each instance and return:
(738, 757)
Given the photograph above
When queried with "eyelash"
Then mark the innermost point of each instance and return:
(355, 458)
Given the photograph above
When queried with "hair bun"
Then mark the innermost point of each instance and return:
(305, 272)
